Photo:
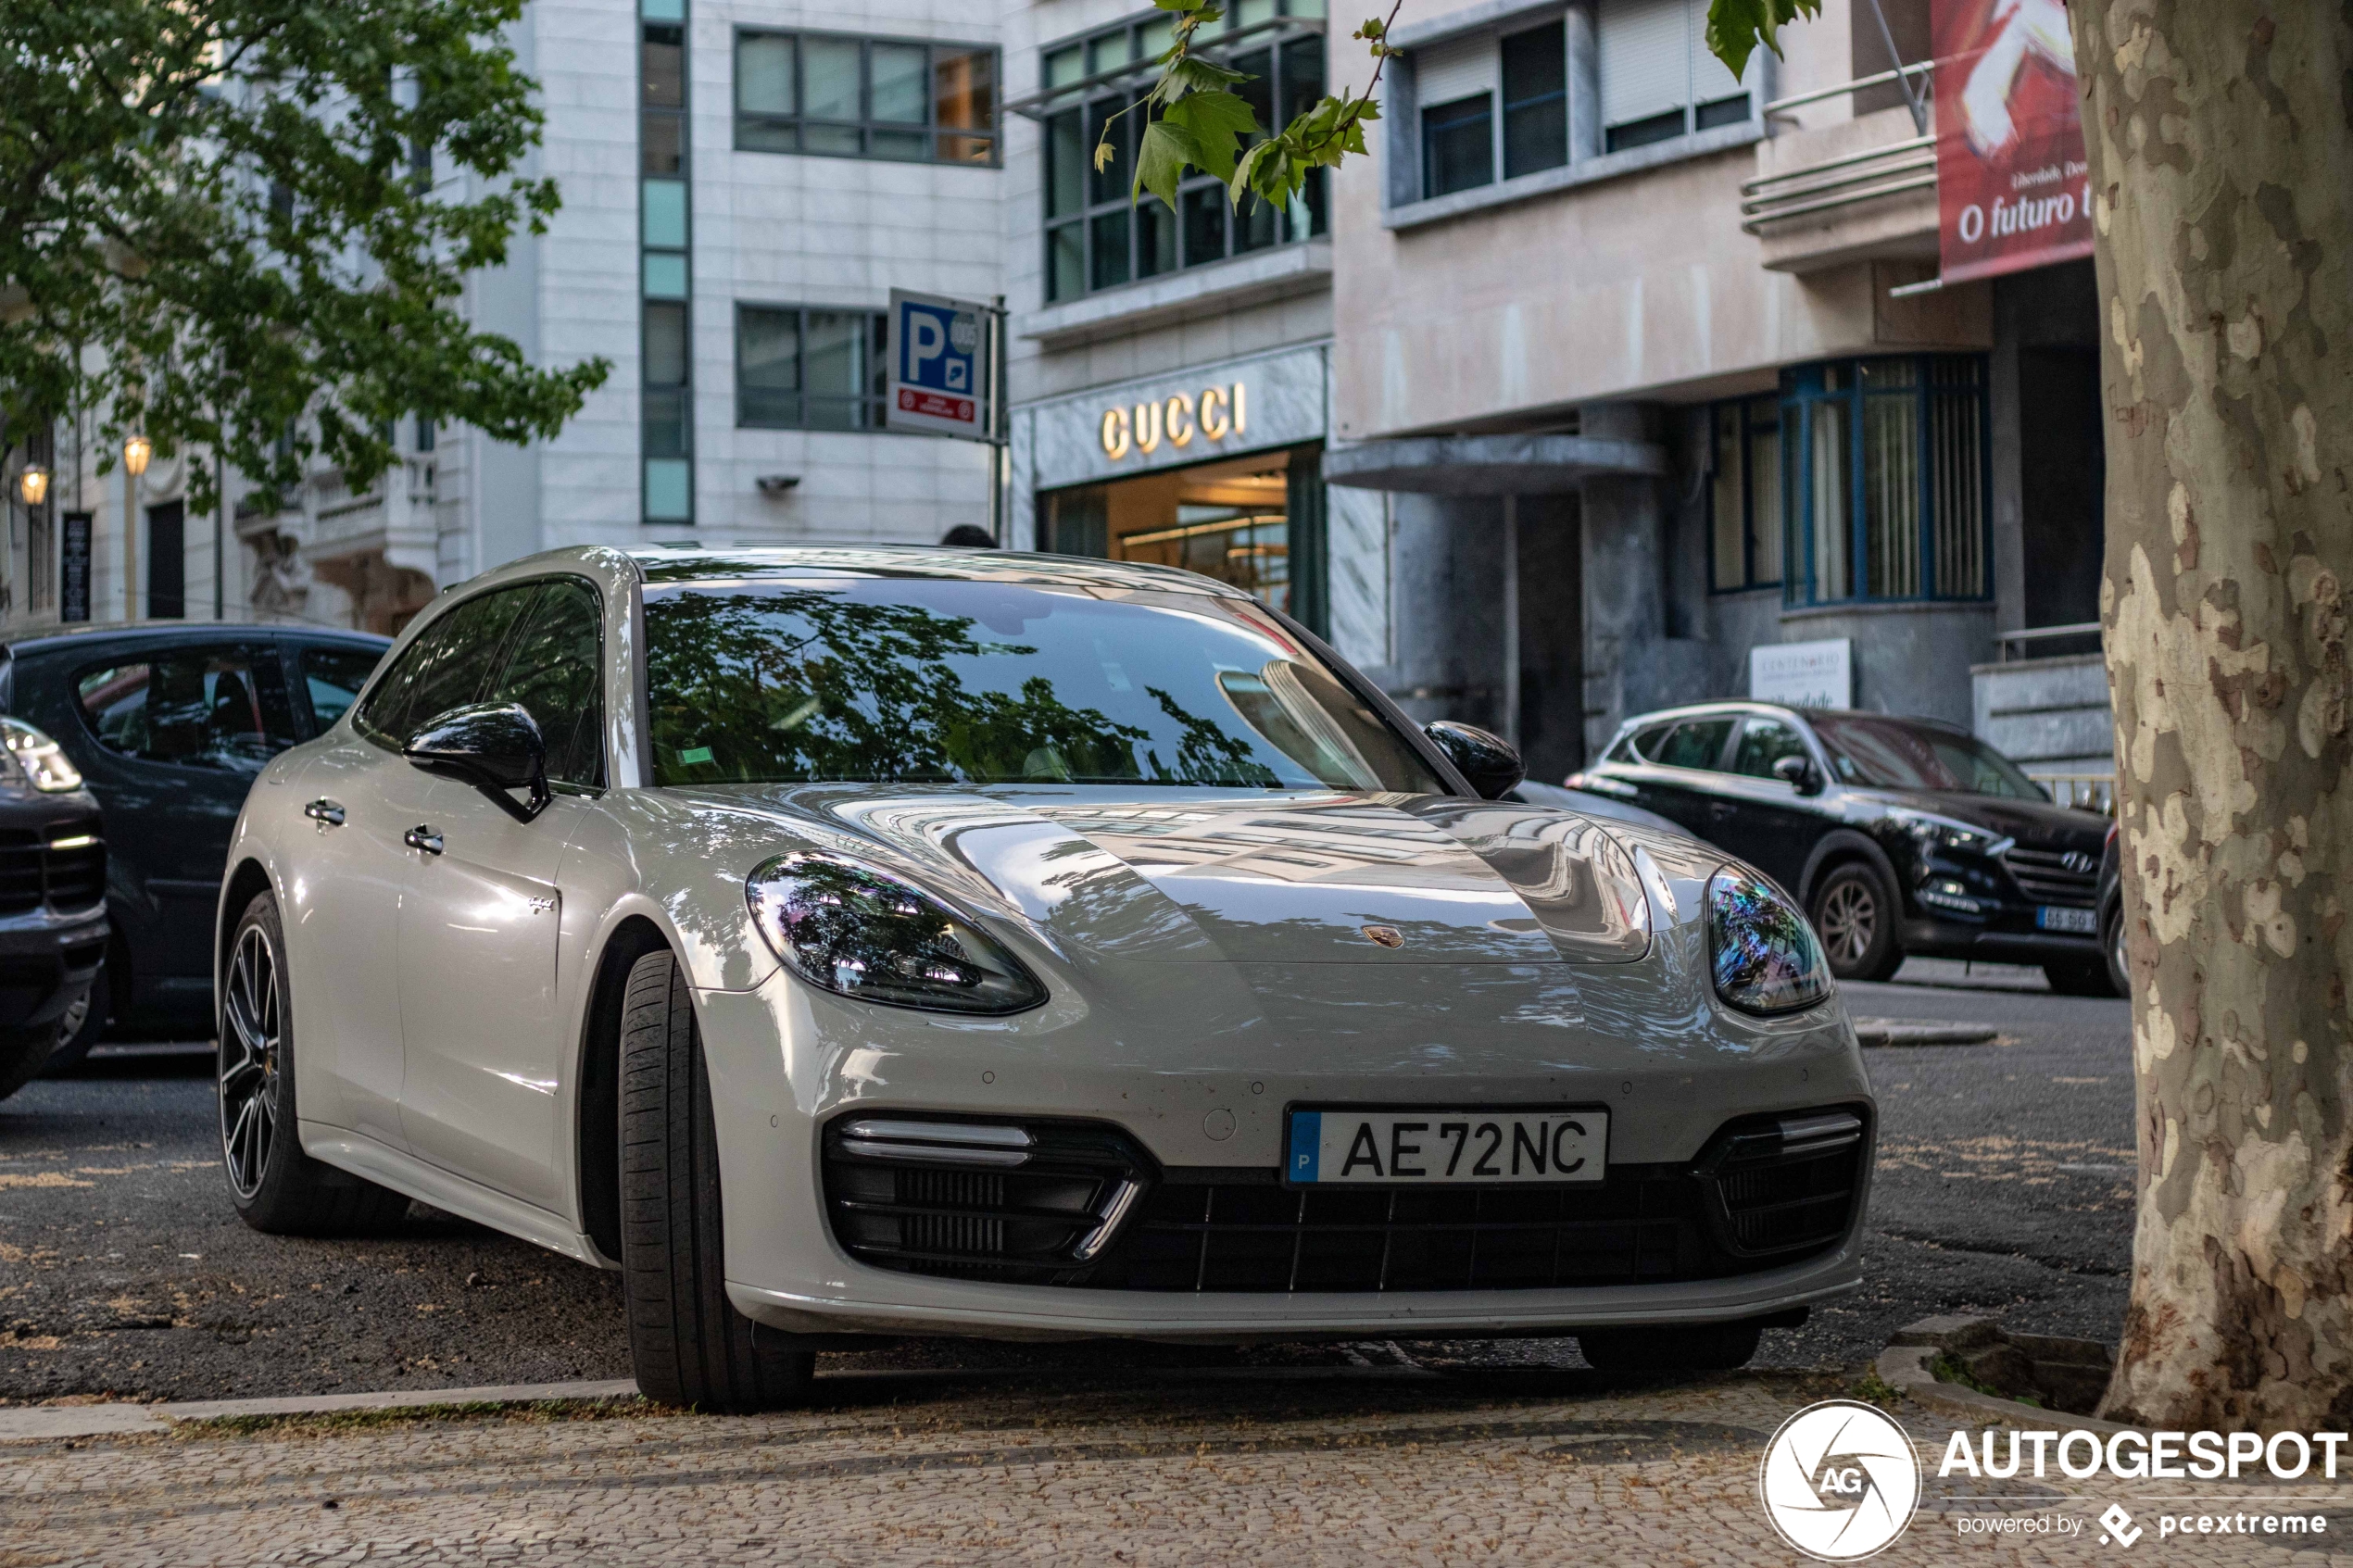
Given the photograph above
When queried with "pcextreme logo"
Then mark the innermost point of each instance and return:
(1839, 1481)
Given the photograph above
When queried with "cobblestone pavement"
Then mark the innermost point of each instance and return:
(1376, 1465)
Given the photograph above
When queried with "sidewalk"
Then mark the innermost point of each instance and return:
(1349, 1465)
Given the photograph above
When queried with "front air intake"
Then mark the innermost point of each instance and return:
(1786, 1183)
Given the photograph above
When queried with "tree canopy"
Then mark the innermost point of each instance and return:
(224, 225)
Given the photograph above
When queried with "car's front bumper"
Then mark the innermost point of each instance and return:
(1196, 1065)
(47, 960)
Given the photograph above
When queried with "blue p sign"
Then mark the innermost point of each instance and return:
(935, 365)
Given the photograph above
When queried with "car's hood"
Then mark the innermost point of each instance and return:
(2037, 824)
(1209, 875)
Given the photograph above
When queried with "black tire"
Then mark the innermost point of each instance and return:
(1854, 914)
(81, 1032)
(22, 1058)
(2081, 977)
(687, 1343)
(1676, 1348)
(2112, 949)
(277, 1188)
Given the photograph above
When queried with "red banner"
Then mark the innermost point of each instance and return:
(2011, 186)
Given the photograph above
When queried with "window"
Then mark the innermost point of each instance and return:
(1744, 495)
(222, 709)
(445, 667)
(1763, 743)
(1492, 104)
(556, 671)
(1694, 743)
(1095, 239)
(1535, 100)
(1658, 80)
(333, 676)
(799, 369)
(865, 97)
(1881, 753)
(665, 233)
(1458, 145)
(1884, 479)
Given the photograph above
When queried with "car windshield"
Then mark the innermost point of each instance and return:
(1890, 754)
(820, 678)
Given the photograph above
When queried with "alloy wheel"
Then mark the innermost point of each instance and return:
(1850, 921)
(250, 1026)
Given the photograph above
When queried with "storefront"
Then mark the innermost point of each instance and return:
(1217, 470)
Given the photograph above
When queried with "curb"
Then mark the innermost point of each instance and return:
(1911, 1032)
(42, 1423)
(1906, 1368)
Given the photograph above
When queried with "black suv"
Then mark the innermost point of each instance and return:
(168, 723)
(1898, 836)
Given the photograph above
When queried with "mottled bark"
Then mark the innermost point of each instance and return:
(2220, 138)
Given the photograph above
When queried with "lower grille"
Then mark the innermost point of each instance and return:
(32, 873)
(1078, 1205)
(2045, 878)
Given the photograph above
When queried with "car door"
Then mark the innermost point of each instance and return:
(184, 728)
(1763, 819)
(1681, 778)
(347, 887)
(486, 1046)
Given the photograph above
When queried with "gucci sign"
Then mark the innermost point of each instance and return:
(1220, 411)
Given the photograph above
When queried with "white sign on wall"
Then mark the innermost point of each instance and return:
(1803, 674)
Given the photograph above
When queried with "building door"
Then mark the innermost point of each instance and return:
(2063, 480)
(168, 561)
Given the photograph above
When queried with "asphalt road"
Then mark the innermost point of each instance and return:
(2003, 1186)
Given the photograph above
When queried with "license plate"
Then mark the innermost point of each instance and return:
(2082, 922)
(1442, 1147)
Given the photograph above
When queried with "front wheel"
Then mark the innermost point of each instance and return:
(2083, 978)
(83, 1027)
(687, 1343)
(276, 1187)
(1855, 915)
(2112, 948)
(1677, 1347)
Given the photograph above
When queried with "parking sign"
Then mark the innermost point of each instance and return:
(939, 365)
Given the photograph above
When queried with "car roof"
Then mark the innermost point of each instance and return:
(1730, 706)
(159, 633)
(668, 564)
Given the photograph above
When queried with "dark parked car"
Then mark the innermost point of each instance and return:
(1898, 836)
(53, 903)
(2120, 965)
(168, 723)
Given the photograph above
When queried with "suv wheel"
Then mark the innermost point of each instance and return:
(1854, 916)
(2119, 961)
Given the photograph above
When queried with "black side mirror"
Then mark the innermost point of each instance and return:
(494, 746)
(1488, 761)
(1799, 773)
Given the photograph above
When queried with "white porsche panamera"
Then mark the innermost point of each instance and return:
(847, 943)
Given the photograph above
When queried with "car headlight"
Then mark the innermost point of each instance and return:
(39, 762)
(1934, 834)
(1762, 950)
(861, 931)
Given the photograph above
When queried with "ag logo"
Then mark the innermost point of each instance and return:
(1839, 1480)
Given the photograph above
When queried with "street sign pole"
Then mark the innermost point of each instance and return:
(947, 377)
(996, 420)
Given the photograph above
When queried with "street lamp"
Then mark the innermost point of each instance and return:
(33, 484)
(136, 450)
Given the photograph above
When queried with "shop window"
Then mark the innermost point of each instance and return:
(1659, 79)
(1884, 479)
(1744, 495)
(1096, 237)
(894, 98)
(802, 368)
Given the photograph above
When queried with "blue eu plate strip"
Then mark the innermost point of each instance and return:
(1306, 1144)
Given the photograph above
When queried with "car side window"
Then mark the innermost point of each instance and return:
(446, 667)
(556, 671)
(221, 707)
(1643, 745)
(1696, 743)
(1764, 743)
(332, 675)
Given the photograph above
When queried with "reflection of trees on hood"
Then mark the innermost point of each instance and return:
(803, 684)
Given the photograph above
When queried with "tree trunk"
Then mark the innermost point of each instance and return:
(2221, 140)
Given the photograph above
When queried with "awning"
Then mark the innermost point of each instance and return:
(1489, 465)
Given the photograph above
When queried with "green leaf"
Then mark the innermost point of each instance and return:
(1215, 122)
(1193, 74)
(1736, 27)
(1162, 159)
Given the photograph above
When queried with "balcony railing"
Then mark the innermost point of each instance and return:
(2020, 639)
(1852, 178)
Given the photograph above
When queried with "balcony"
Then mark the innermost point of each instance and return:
(1853, 189)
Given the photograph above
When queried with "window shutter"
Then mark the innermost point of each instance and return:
(1645, 57)
(1711, 78)
(1460, 68)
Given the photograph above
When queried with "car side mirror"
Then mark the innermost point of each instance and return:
(495, 746)
(1799, 773)
(1488, 762)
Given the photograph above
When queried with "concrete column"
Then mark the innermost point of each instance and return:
(1448, 614)
(1632, 663)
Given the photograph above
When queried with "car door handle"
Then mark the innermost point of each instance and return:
(1719, 810)
(324, 811)
(422, 837)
